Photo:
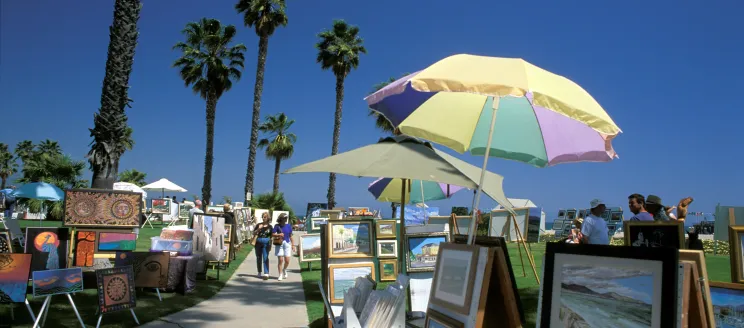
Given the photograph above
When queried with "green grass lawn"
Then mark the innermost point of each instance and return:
(718, 270)
(148, 308)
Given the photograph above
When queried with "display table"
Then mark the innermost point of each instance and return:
(182, 273)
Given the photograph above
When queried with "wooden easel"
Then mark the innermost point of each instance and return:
(521, 241)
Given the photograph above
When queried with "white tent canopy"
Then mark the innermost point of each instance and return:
(518, 203)
(130, 187)
(164, 185)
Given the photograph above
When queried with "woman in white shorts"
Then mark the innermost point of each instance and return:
(284, 251)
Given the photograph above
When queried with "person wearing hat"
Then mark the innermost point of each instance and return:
(656, 208)
(594, 228)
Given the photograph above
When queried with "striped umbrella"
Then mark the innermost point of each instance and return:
(418, 191)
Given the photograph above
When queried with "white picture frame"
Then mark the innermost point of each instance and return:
(386, 254)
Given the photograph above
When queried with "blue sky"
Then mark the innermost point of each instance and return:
(723, 296)
(664, 71)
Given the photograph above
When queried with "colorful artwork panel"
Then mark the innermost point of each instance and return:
(6, 244)
(183, 248)
(150, 268)
(102, 208)
(116, 241)
(49, 247)
(85, 247)
(183, 211)
(14, 273)
(180, 235)
(115, 289)
(728, 304)
(161, 206)
(59, 281)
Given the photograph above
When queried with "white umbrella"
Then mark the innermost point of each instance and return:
(164, 185)
(130, 187)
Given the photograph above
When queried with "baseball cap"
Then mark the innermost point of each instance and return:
(595, 202)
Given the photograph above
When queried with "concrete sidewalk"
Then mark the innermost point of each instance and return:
(247, 301)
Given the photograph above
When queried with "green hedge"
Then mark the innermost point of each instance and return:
(708, 245)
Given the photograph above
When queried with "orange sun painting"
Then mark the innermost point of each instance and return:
(42, 238)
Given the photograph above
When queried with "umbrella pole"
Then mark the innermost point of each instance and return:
(423, 201)
(476, 202)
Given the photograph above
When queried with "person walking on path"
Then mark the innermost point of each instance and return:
(637, 206)
(594, 228)
(284, 251)
(263, 246)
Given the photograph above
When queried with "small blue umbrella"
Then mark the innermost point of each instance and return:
(39, 190)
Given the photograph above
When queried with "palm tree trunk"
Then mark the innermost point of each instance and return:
(263, 49)
(4, 180)
(209, 153)
(336, 137)
(277, 165)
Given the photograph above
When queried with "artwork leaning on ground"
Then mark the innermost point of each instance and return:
(58, 281)
(102, 208)
(310, 247)
(49, 247)
(115, 241)
(422, 250)
(350, 239)
(150, 268)
(85, 248)
(6, 244)
(115, 289)
(14, 273)
(654, 234)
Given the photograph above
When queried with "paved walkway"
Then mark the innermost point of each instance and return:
(247, 301)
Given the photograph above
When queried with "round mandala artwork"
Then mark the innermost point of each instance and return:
(85, 207)
(116, 289)
(122, 209)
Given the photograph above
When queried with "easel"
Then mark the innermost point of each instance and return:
(521, 241)
(100, 317)
(149, 220)
(28, 307)
(45, 310)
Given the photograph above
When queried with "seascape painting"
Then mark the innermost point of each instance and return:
(350, 239)
(14, 273)
(115, 289)
(103, 208)
(423, 251)
(6, 244)
(161, 206)
(85, 247)
(115, 241)
(180, 235)
(59, 281)
(728, 307)
(313, 209)
(605, 297)
(343, 278)
(150, 268)
(310, 248)
(49, 247)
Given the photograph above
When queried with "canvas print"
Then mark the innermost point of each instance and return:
(387, 248)
(161, 206)
(728, 304)
(58, 281)
(228, 232)
(313, 209)
(116, 241)
(422, 251)
(310, 247)
(213, 208)
(571, 214)
(359, 211)
(558, 225)
(6, 244)
(388, 270)
(85, 248)
(209, 236)
(90, 208)
(174, 234)
(654, 234)
(14, 273)
(150, 268)
(343, 277)
(386, 229)
(183, 211)
(49, 247)
(452, 286)
(561, 214)
(533, 225)
(350, 239)
(115, 289)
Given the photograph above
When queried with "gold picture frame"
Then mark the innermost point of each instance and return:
(677, 226)
(337, 273)
(331, 214)
(388, 276)
(382, 230)
(459, 295)
(441, 320)
(735, 233)
(309, 253)
(698, 257)
(342, 244)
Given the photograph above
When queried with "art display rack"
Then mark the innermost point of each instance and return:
(510, 219)
(28, 308)
(45, 310)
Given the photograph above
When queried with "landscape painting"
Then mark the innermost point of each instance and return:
(387, 248)
(85, 247)
(116, 241)
(6, 244)
(422, 251)
(14, 273)
(533, 225)
(49, 247)
(150, 268)
(728, 304)
(115, 289)
(388, 270)
(386, 229)
(59, 281)
(183, 211)
(343, 277)
(605, 297)
(350, 239)
(316, 222)
(161, 206)
(103, 208)
(180, 235)
(654, 234)
(310, 248)
(213, 208)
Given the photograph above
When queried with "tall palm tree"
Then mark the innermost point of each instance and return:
(56, 169)
(8, 164)
(279, 143)
(110, 132)
(24, 150)
(265, 16)
(134, 177)
(49, 146)
(209, 64)
(338, 51)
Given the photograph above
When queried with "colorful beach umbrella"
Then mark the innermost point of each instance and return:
(541, 118)
(418, 191)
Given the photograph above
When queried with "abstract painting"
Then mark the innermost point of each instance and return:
(103, 208)
(728, 304)
(388, 270)
(49, 247)
(58, 281)
(161, 206)
(14, 273)
(387, 248)
(422, 250)
(654, 234)
(310, 247)
(180, 235)
(313, 209)
(350, 239)
(115, 289)
(150, 268)
(85, 247)
(6, 244)
(343, 277)
(116, 241)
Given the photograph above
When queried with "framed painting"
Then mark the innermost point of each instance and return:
(113, 241)
(422, 250)
(727, 301)
(313, 209)
(228, 233)
(582, 213)
(57, 281)
(315, 224)
(14, 273)
(227, 257)
(388, 270)
(331, 214)
(606, 215)
(386, 229)
(343, 277)
(310, 247)
(161, 206)
(616, 216)
(452, 285)
(557, 225)
(6, 243)
(611, 228)
(614, 285)
(215, 209)
(85, 248)
(698, 257)
(49, 247)
(183, 211)
(654, 234)
(387, 248)
(561, 214)
(177, 234)
(115, 289)
(359, 211)
(102, 208)
(571, 214)
(208, 230)
(238, 205)
(435, 319)
(350, 239)
(150, 269)
(736, 235)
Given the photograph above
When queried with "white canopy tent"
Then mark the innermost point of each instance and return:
(130, 187)
(518, 203)
(164, 185)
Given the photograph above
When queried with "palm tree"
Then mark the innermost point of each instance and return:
(226, 200)
(111, 134)
(272, 202)
(134, 177)
(49, 147)
(8, 164)
(338, 51)
(265, 16)
(280, 144)
(209, 65)
(24, 150)
(56, 169)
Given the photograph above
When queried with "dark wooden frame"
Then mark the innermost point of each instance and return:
(137, 210)
(735, 255)
(679, 224)
(442, 318)
(408, 249)
(473, 250)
